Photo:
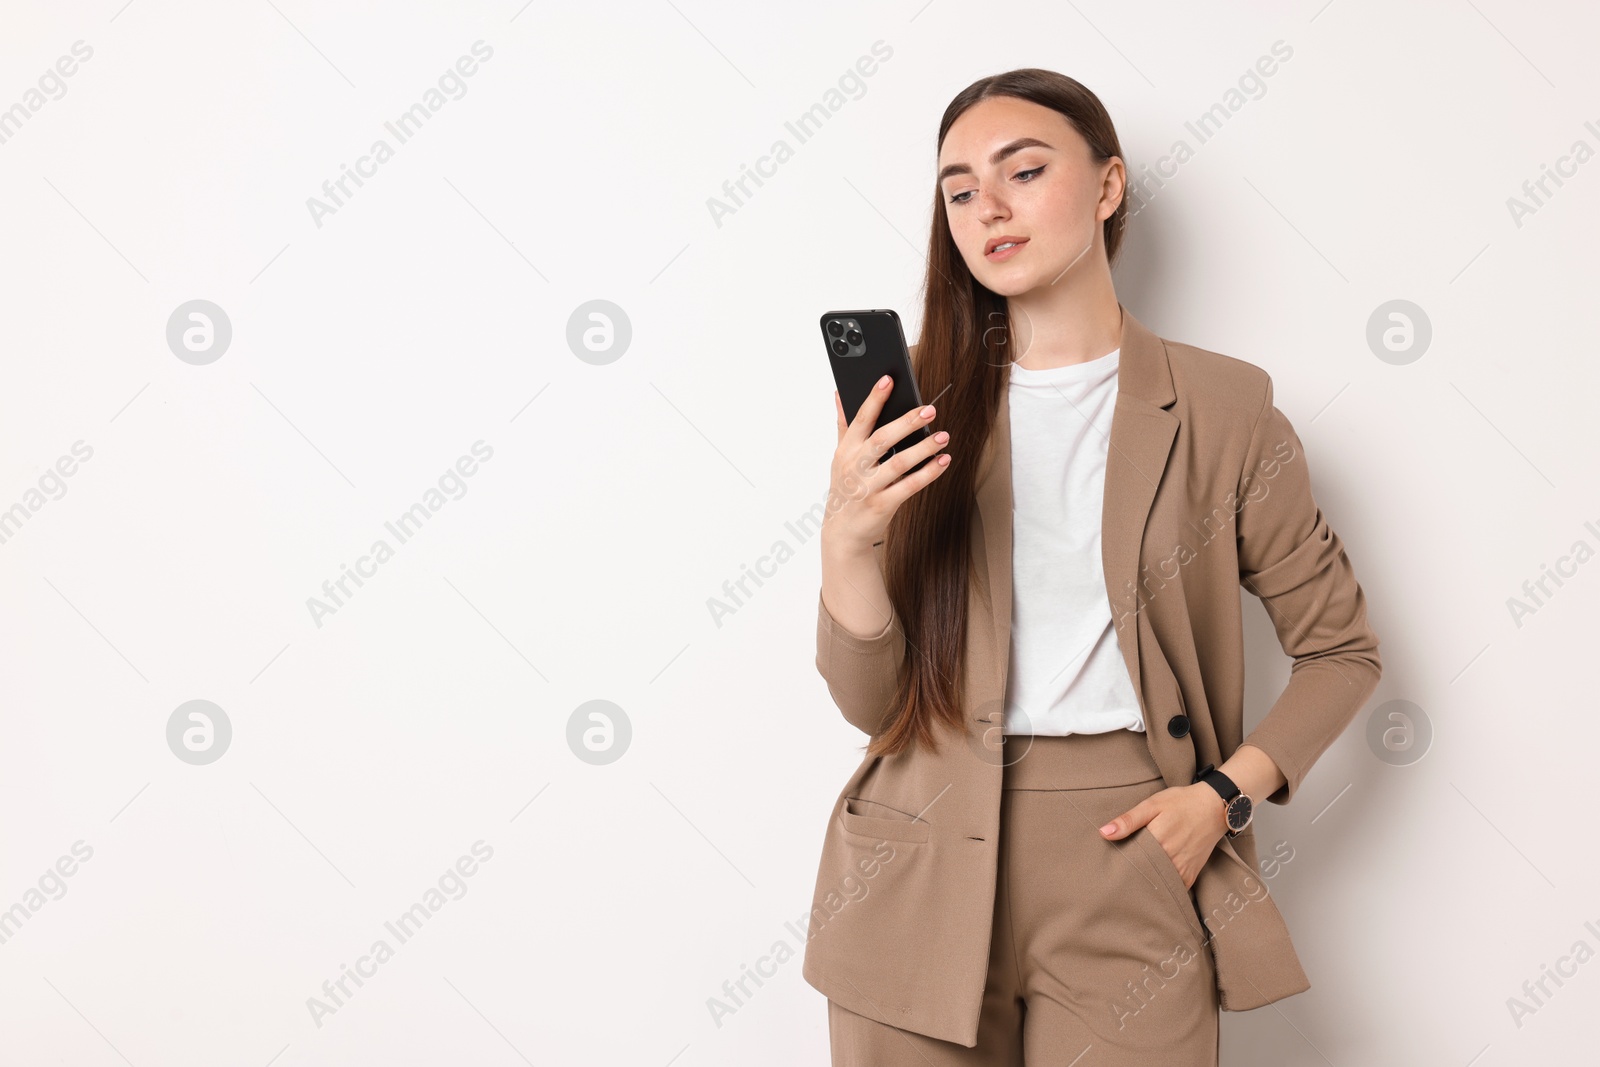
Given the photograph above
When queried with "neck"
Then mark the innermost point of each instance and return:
(1058, 325)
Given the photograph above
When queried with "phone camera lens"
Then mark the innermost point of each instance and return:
(840, 348)
(854, 337)
(835, 328)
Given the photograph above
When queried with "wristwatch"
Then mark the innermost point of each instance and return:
(1237, 807)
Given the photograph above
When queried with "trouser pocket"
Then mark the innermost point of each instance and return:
(1166, 872)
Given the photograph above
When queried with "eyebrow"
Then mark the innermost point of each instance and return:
(1000, 153)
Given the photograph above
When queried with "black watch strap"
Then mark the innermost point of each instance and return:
(1218, 781)
(1225, 787)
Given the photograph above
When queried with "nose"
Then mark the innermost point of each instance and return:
(991, 206)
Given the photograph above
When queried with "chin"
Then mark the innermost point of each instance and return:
(1010, 285)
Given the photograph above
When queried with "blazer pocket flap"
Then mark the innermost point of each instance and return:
(882, 825)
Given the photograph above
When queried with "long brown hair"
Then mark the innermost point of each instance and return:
(962, 364)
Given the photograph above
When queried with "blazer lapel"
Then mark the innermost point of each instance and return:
(1142, 432)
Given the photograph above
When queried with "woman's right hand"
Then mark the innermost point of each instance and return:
(871, 492)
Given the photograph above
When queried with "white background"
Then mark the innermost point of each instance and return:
(431, 311)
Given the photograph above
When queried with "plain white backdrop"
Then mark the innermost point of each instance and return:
(433, 711)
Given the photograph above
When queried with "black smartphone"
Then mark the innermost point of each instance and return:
(863, 346)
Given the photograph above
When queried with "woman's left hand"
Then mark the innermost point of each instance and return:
(1186, 820)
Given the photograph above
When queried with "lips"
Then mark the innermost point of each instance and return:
(996, 242)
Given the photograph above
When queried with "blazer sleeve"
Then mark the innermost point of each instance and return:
(862, 672)
(1295, 563)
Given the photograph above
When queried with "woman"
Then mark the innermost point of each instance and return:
(1047, 848)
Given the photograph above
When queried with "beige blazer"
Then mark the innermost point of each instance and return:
(1206, 489)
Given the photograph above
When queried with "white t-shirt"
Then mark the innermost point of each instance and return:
(1066, 673)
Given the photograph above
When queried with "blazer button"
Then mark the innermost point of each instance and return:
(1178, 725)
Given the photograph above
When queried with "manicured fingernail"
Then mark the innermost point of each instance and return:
(883, 383)
(1109, 828)
(927, 412)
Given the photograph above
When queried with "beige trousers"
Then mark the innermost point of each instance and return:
(1098, 955)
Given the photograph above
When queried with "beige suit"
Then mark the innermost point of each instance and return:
(1206, 489)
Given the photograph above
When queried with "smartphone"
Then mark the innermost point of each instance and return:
(863, 346)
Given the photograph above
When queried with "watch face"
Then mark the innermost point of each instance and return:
(1239, 813)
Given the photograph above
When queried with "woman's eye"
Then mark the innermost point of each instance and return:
(961, 198)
